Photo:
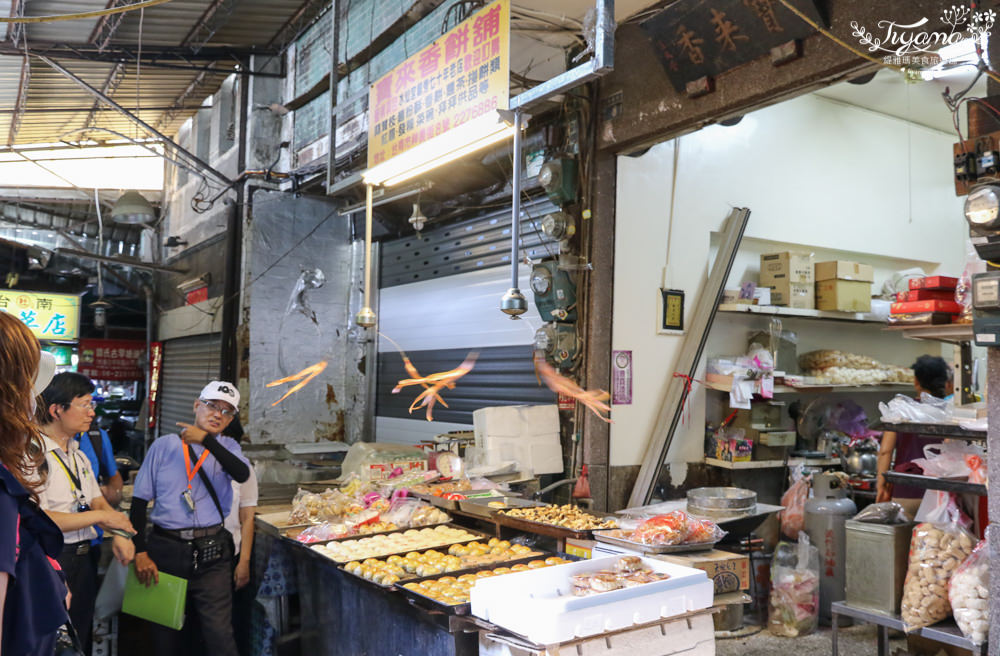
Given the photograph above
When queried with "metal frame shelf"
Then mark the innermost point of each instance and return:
(932, 430)
(945, 632)
(934, 483)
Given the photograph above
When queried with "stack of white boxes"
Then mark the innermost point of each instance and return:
(525, 434)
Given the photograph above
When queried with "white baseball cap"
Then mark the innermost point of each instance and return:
(46, 370)
(219, 390)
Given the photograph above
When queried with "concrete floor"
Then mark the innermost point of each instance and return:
(854, 641)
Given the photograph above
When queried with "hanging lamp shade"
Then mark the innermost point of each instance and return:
(133, 209)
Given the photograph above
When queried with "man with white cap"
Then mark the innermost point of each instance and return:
(189, 476)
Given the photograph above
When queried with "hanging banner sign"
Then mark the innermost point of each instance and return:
(155, 368)
(464, 74)
(112, 359)
(49, 316)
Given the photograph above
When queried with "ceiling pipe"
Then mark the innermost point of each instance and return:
(138, 121)
(513, 302)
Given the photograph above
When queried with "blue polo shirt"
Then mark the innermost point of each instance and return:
(34, 608)
(163, 479)
(106, 466)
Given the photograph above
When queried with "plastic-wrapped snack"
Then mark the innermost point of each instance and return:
(663, 529)
(702, 530)
(794, 501)
(937, 548)
(306, 507)
(968, 593)
(794, 601)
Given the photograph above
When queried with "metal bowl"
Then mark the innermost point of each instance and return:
(721, 502)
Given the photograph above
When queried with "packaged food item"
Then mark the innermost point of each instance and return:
(628, 572)
(794, 501)
(676, 527)
(937, 548)
(794, 601)
(934, 282)
(968, 594)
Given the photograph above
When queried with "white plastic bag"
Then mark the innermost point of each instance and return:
(948, 459)
(969, 594)
(112, 592)
(793, 606)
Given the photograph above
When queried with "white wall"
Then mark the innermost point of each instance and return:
(817, 176)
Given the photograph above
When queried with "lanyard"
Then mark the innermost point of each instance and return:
(74, 476)
(191, 473)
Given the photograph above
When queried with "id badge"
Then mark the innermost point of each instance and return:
(188, 499)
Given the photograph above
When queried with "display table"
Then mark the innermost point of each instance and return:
(945, 632)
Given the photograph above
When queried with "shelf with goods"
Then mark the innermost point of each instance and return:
(771, 464)
(934, 483)
(798, 313)
(946, 632)
(953, 333)
(953, 431)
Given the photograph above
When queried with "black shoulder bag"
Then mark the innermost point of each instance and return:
(97, 443)
(210, 549)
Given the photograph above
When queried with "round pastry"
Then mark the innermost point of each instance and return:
(484, 574)
(604, 582)
(521, 567)
(501, 570)
(628, 564)
(554, 560)
(535, 564)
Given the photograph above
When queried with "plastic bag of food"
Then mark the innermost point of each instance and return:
(323, 532)
(968, 593)
(937, 548)
(794, 601)
(887, 512)
(306, 507)
(663, 529)
(977, 468)
(702, 530)
(794, 501)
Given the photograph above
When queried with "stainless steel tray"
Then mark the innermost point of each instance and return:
(481, 508)
(601, 536)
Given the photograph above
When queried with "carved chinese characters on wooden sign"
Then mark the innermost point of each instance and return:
(698, 38)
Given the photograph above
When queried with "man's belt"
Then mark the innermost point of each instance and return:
(187, 533)
(77, 548)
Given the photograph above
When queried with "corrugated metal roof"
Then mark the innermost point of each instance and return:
(50, 96)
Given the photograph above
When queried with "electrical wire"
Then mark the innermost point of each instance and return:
(84, 14)
(138, 71)
(100, 244)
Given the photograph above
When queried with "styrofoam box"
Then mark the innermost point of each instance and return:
(526, 434)
(539, 604)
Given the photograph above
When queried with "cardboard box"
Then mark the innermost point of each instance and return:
(844, 270)
(793, 294)
(580, 548)
(777, 438)
(729, 572)
(925, 295)
(911, 307)
(933, 282)
(787, 267)
(844, 295)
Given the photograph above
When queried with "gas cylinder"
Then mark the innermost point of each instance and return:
(825, 514)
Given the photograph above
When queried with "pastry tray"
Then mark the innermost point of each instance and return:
(535, 555)
(551, 530)
(464, 608)
(480, 506)
(358, 536)
(601, 536)
(476, 535)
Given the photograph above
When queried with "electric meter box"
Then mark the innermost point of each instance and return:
(555, 292)
(986, 308)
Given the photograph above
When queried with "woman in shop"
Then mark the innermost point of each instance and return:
(931, 374)
(72, 497)
(32, 593)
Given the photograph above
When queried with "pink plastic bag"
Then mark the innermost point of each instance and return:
(977, 469)
(794, 501)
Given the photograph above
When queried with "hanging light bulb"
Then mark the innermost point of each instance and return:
(417, 219)
(132, 208)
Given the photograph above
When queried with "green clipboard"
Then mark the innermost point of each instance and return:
(162, 602)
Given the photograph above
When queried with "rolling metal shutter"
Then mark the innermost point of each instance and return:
(189, 363)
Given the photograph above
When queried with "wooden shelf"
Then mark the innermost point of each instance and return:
(775, 310)
(934, 483)
(948, 332)
(932, 430)
(771, 464)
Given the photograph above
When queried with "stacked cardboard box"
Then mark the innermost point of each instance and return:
(929, 300)
(844, 286)
(790, 277)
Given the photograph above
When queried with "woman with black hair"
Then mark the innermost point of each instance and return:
(933, 375)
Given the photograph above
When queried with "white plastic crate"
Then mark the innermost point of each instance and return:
(539, 604)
